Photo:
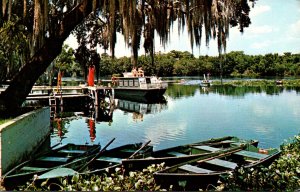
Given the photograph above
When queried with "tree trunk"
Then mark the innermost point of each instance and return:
(13, 97)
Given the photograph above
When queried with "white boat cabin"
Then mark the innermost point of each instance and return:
(140, 82)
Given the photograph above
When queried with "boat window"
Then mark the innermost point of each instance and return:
(130, 83)
(148, 80)
(121, 84)
(136, 82)
(125, 83)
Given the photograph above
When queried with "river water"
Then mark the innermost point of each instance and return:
(189, 113)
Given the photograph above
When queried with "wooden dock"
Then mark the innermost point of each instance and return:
(45, 92)
(57, 98)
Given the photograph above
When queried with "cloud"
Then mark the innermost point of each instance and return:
(260, 45)
(259, 9)
(258, 30)
(294, 29)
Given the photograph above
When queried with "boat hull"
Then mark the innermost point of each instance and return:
(111, 159)
(175, 155)
(138, 94)
(106, 162)
(203, 173)
(70, 155)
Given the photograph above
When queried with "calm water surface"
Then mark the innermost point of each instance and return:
(188, 114)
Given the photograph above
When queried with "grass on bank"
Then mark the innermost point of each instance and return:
(2, 121)
(282, 175)
(258, 83)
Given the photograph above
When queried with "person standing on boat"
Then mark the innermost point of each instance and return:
(134, 72)
(113, 80)
(140, 72)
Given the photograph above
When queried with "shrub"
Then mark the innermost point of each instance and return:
(117, 181)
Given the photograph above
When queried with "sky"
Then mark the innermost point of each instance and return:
(274, 28)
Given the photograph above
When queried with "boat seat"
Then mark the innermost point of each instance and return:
(176, 154)
(132, 150)
(251, 154)
(33, 168)
(54, 159)
(110, 159)
(206, 148)
(72, 151)
(227, 141)
(129, 150)
(222, 163)
(194, 169)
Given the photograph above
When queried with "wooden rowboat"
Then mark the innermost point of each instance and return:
(201, 173)
(175, 155)
(105, 161)
(64, 156)
(113, 158)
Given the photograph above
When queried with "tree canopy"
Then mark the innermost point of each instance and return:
(45, 24)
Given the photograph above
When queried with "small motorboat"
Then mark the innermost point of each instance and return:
(137, 87)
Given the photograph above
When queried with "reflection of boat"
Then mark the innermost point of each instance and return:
(65, 156)
(175, 155)
(200, 173)
(279, 82)
(141, 108)
(138, 87)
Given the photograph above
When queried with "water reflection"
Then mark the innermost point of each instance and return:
(237, 91)
(93, 116)
(188, 113)
(97, 114)
(92, 128)
(58, 127)
(138, 109)
(177, 91)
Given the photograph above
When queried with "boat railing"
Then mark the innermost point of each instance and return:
(152, 85)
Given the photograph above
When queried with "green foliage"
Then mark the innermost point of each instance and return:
(250, 73)
(3, 121)
(66, 62)
(14, 48)
(283, 174)
(117, 181)
(236, 73)
(177, 91)
(235, 64)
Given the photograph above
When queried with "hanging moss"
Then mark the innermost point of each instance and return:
(214, 17)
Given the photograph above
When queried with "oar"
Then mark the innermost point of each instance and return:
(96, 156)
(142, 147)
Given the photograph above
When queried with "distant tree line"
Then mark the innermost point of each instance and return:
(177, 63)
(236, 63)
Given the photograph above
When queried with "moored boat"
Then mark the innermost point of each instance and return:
(175, 155)
(63, 156)
(105, 161)
(205, 82)
(135, 86)
(111, 159)
(200, 173)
